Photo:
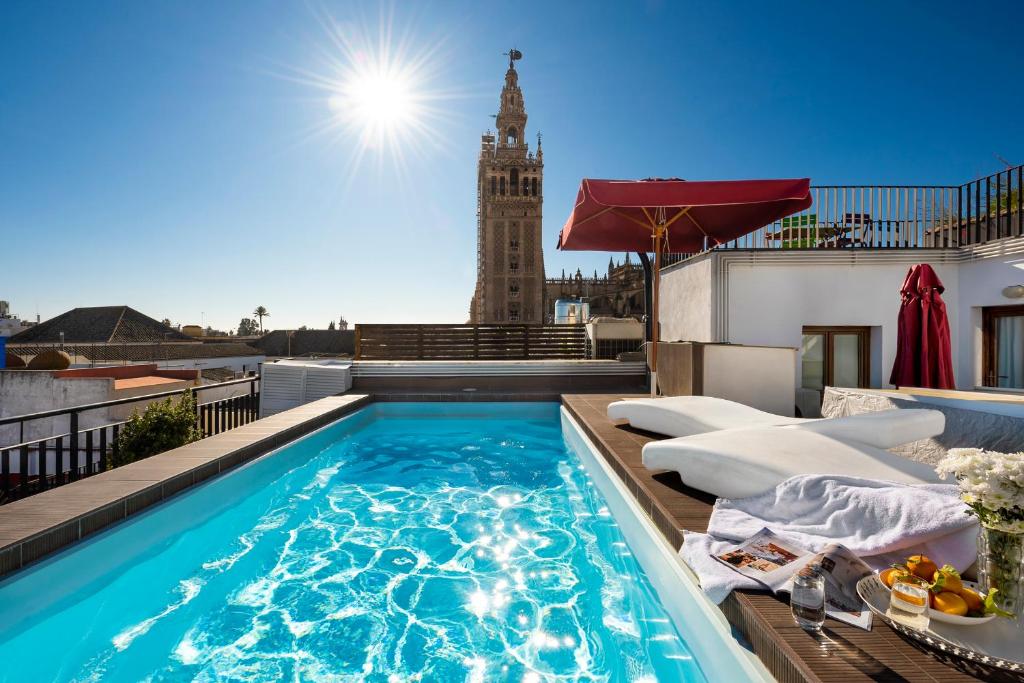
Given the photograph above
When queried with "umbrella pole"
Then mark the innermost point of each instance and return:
(655, 332)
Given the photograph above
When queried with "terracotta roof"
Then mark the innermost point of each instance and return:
(141, 352)
(98, 324)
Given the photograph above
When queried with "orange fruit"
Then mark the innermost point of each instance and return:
(950, 603)
(888, 576)
(947, 579)
(922, 566)
(973, 600)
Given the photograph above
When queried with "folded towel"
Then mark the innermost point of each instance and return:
(880, 521)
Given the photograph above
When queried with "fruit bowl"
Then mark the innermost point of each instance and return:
(934, 614)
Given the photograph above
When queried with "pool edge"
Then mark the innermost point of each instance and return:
(663, 565)
(34, 528)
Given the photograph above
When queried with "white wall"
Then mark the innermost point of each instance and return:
(981, 284)
(686, 302)
(757, 376)
(770, 304)
(768, 297)
(237, 363)
(32, 391)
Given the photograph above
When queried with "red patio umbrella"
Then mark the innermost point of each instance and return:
(675, 216)
(924, 356)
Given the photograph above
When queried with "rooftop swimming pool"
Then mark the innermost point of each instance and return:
(405, 542)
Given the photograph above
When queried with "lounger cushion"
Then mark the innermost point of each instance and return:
(689, 415)
(881, 429)
(737, 463)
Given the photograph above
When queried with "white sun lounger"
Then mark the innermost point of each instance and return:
(737, 463)
(690, 415)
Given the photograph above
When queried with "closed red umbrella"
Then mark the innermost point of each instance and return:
(924, 356)
(675, 216)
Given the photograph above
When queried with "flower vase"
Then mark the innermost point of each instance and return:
(1000, 562)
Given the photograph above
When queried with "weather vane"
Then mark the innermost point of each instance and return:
(513, 55)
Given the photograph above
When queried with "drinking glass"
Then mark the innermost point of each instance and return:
(808, 599)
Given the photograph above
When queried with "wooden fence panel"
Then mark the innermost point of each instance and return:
(470, 342)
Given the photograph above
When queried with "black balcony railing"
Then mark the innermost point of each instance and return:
(897, 217)
(32, 466)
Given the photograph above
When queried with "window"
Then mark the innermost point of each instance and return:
(513, 314)
(513, 244)
(512, 137)
(1002, 361)
(501, 183)
(494, 184)
(533, 184)
(835, 357)
(513, 267)
(526, 187)
(513, 181)
(513, 290)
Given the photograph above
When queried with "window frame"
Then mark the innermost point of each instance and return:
(864, 351)
(990, 341)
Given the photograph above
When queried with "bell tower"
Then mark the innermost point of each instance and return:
(510, 258)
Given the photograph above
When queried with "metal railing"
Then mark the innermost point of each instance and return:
(897, 217)
(83, 451)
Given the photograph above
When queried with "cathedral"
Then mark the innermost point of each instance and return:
(510, 281)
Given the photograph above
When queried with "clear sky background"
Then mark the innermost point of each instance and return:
(179, 157)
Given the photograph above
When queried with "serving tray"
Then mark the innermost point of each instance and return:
(998, 643)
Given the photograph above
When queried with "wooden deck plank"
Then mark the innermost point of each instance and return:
(842, 653)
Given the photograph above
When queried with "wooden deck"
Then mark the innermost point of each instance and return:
(841, 653)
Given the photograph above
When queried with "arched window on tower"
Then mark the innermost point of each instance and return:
(501, 183)
(512, 136)
(513, 181)
(494, 184)
(534, 187)
(526, 187)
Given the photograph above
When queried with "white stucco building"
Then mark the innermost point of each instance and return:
(837, 303)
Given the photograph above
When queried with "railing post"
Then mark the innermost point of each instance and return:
(73, 445)
(103, 453)
(359, 342)
(23, 466)
(526, 342)
(5, 472)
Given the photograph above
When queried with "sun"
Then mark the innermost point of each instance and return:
(380, 91)
(378, 101)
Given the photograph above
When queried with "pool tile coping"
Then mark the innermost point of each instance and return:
(34, 527)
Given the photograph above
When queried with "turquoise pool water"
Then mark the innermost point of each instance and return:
(433, 542)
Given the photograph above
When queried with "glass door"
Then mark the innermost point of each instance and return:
(1003, 357)
(835, 357)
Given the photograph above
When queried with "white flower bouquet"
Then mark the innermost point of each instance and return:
(992, 485)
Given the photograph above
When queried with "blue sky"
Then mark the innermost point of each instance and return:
(166, 155)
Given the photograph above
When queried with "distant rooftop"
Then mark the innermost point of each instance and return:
(99, 324)
(135, 352)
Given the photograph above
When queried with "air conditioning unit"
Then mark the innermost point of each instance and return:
(288, 384)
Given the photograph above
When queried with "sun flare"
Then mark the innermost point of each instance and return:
(378, 101)
(380, 93)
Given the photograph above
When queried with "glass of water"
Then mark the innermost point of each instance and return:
(808, 598)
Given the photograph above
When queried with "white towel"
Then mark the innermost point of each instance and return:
(880, 521)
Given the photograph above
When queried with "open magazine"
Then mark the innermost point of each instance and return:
(772, 561)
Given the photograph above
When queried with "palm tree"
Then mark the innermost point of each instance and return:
(260, 312)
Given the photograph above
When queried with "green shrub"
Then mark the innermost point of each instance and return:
(163, 425)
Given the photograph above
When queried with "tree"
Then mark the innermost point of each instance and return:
(163, 425)
(166, 321)
(247, 327)
(330, 325)
(303, 327)
(261, 313)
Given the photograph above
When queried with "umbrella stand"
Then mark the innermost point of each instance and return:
(659, 232)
